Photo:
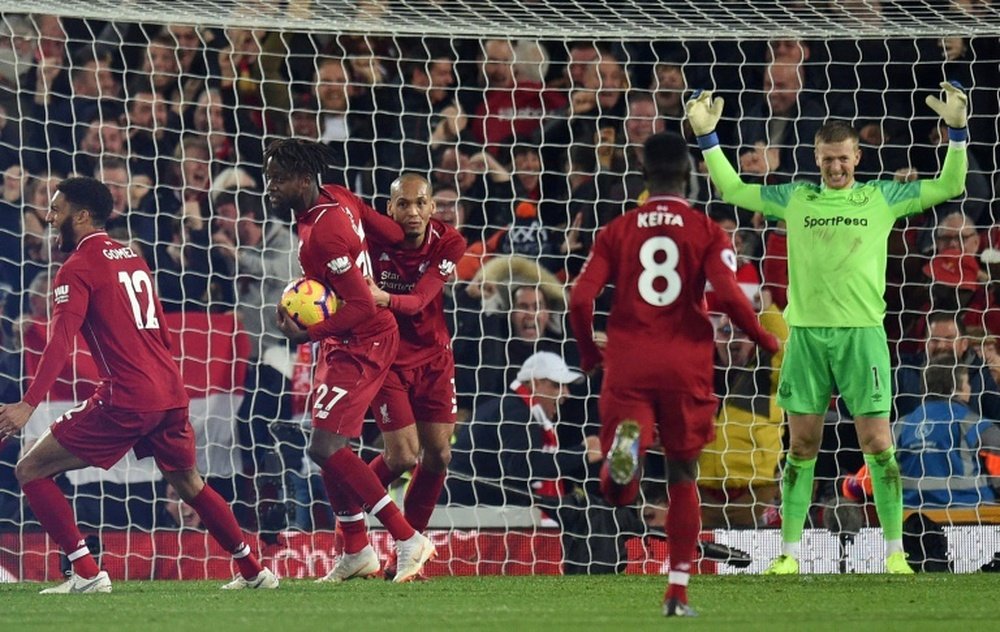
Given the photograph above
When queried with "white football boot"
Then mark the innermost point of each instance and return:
(411, 555)
(363, 564)
(265, 580)
(101, 583)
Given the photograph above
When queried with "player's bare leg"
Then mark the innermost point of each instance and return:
(875, 438)
(400, 454)
(46, 459)
(683, 527)
(805, 432)
(218, 518)
(355, 488)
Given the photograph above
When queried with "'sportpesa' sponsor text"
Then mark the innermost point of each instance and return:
(836, 220)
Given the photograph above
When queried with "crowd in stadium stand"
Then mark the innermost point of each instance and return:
(531, 148)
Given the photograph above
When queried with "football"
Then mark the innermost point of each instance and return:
(308, 301)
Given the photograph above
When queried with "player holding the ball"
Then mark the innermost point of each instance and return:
(357, 345)
(837, 234)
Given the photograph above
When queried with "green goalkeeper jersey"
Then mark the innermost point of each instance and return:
(837, 238)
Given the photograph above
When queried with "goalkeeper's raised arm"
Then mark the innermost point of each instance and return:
(951, 181)
(704, 111)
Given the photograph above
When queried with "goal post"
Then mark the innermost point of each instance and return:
(528, 119)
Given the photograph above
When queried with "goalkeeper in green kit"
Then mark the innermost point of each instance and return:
(837, 234)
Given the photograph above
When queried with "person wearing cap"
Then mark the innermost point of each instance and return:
(510, 453)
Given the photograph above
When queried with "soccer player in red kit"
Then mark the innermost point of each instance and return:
(357, 345)
(658, 361)
(415, 410)
(106, 289)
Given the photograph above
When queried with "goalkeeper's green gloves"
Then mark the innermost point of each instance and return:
(703, 113)
(954, 109)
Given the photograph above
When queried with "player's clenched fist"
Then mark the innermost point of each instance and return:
(954, 108)
(704, 112)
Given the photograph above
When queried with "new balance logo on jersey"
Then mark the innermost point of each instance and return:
(658, 218)
(339, 265)
(60, 294)
(836, 220)
(446, 267)
(422, 267)
(383, 257)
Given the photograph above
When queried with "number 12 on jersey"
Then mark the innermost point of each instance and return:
(135, 284)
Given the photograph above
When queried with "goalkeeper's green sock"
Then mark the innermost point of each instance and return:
(888, 490)
(796, 497)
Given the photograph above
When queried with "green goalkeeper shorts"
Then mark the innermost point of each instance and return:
(854, 359)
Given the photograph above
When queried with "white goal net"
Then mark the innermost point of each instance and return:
(527, 117)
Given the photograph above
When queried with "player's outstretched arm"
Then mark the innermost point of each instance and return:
(703, 113)
(953, 110)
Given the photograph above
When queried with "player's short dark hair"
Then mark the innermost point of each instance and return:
(836, 131)
(666, 163)
(297, 156)
(88, 193)
(943, 376)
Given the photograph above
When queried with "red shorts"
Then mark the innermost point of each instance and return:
(101, 435)
(347, 379)
(685, 422)
(425, 393)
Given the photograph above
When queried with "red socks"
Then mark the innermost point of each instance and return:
(421, 496)
(350, 515)
(683, 527)
(348, 470)
(382, 471)
(54, 512)
(221, 524)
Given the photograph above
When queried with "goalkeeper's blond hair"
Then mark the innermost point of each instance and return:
(836, 132)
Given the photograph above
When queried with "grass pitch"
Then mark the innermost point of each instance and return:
(625, 603)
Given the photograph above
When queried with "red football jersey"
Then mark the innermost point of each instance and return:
(106, 289)
(415, 279)
(659, 257)
(333, 249)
